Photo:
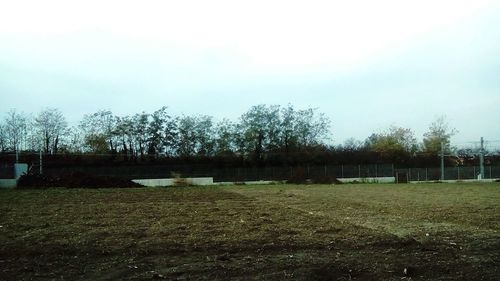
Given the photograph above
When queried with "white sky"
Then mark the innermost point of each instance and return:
(366, 64)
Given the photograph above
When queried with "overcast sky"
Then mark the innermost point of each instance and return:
(365, 64)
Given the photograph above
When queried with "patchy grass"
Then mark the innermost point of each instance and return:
(344, 232)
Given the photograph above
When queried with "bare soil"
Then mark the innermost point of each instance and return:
(346, 232)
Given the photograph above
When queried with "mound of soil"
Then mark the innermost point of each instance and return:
(301, 176)
(314, 180)
(73, 180)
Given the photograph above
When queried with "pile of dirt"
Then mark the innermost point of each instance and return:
(73, 180)
(301, 177)
(314, 180)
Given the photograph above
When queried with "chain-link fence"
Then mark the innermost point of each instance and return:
(279, 173)
(229, 174)
(233, 174)
(450, 173)
(306, 172)
(6, 171)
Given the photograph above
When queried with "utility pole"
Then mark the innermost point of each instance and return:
(41, 165)
(442, 160)
(481, 160)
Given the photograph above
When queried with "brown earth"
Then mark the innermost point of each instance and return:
(241, 233)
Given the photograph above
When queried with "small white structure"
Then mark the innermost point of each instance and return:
(174, 181)
(368, 180)
(19, 170)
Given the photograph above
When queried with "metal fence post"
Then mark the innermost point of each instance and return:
(41, 162)
(342, 171)
(359, 171)
(426, 175)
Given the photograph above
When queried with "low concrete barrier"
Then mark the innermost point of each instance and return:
(368, 180)
(247, 182)
(172, 182)
(458, 181)
(8, 183)
(19, 170)
(201, 181)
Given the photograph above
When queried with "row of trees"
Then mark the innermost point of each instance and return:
(22, 132)
(402, 140)
(260, 132)
(264, 134)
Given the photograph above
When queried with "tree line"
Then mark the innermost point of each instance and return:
(262, 131)
(263, 135)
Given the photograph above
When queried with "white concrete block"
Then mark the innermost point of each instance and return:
(8, 183)
(20, 169)
(172, 182)
(368, 180)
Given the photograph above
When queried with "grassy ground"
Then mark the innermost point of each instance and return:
(342, 232)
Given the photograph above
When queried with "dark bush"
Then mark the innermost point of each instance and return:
(300, 177)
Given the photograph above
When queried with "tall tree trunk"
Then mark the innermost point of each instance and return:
(47, 143)
(111, 147)
(124, 144)
(56, 143)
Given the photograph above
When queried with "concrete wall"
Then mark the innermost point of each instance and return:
(368, 180)
(8, 183)
(458, 181)
(171, 182)
(201, 181)
(247, 182)
(20, 169)
(155, 182)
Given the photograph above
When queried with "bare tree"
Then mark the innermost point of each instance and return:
(140, 122)
(3, 138)
(15, 129)
(311, 128)
(288, 134)
(51, 126)
(123, 132)
(75, 140)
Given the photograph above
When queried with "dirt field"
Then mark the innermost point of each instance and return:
(342, 232)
